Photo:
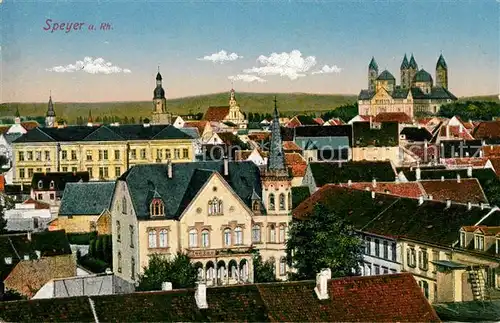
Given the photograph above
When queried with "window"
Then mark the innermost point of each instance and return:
(74, 169)
(30, 172)
(39, 196)
(272, 233)
(376, 269)
(227, 237)
(238, 235)
(411, 257)
(386, 250)
(185, 153)
(89, 155)
(124, 205)
(393, 251)
(282, 266)
(64, 169)
(256, 233)
(289, 200)
(133, 154)
(73, 155)
(119, 262)
(29, 155)
(163, 238)
(38, 155)
(117, 155)
(105, 154)
(193, 238)
(47, 170)
(435, 257)
(462, 239)
(40, 184)
(282, 233)
(131, 229)
(51, 184)
(394, 271)
(271, 202)
(118, 171)
(368, 246)
(256, 206)
(157, 207)
(52, 196)
(424, 285)
(132, 268)
(152, 239)
(168, 154)
(159, 154)
(103, 172)
(385, 270)
(64, 155)
(205, 238)
(177, 153)
(143, 153)
(118, 231)
(377, 247)
(282, 201)
(89, 169)
(21, 156)
(47, 155)
(21, 172)
(478, 240)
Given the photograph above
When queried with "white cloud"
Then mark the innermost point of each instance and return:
(220, 57)
(328, 69)
(292, 64)
(90, 65)
(246, 78)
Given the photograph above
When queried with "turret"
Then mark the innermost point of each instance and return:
(404, 72)
(441, 72)
(50, 118)
(372, 74)
(412, 70)
(160, 115)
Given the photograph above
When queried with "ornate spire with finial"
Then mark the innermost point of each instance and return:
(276, 160)
(90, 116)
(18, 115)
(50, 107)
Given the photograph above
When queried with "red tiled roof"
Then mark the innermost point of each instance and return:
(4, 129)
(468, 190)
(319, 121)
(200, 125)
(216, 113)
(495, 162)
(399, 117)
(2, 183)
(419, 150)
(335, 122)
(259, 136)
(291, 146)
(293, 123)
(455, 132)
(470, 161)
(406, 189)
(491, 151)
(28, 125)
(487, 129)
(38, 205)
(486, 230)
(296, 164)
(467, 124)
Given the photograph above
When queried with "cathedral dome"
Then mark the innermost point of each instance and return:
(386, 76)
(423, 76)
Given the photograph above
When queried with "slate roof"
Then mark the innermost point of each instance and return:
(373, 64)
(103, 133)
(393, 216)
(399, 117)
(437, 93)
(321, 143)
(60, 180)
(356, 171)
(331, 131)
(86, 198)
(386, 76)
(422, 76)
(468, 190)
(199, 124)
(365, 136)
(365, 95)
(10, 137)
(216, 113)
(352, 299)
(49, 243)
(441, 62)
(244, 177)
(399, 93)
(416, 134)
(404, 63)
(460, 148)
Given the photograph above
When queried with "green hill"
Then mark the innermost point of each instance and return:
(288, 103)
(490, 98)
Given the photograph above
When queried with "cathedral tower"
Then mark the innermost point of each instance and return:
(372, 74)
(412, 70)
(276, 180)
(160, 115)
(50, 118)
(405, 73)
(441, 72)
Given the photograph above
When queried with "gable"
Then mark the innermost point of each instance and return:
(103, 134)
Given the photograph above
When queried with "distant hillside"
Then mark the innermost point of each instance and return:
(288, 104)
(493, 98)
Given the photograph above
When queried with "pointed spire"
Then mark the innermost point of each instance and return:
(90, 116)
(50, 108)
(373, 64)
(404, 64)
(276, 160)
(18, 115)
(413, 63)
(441, 62)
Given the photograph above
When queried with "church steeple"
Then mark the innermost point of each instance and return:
(441, 72)
(372, 74)
(50, 117)
(276, 162)
(160, 115)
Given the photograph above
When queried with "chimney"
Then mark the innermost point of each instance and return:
(38, 254)
(458, 178)
(418, 173)
(469, 171)
(373, 194)
(448, 203)
(442, 178)
(166, 286)
(321, 288)
(29, 235)
(420, 200)
(469, 206)
(349, 182)
(169, 169)
(431, 197)
(201, 296)
(226, 166)
(374, 182)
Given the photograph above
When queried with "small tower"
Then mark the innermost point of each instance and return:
(234, 109)
(160, 115)
(372, 74)
(441, 72)
(412, 70)
(50, 118)
(276, 180)
(90, 122)
(17, 119)
(404, 73)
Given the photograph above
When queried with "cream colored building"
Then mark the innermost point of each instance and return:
(229, 114)
(105, 152)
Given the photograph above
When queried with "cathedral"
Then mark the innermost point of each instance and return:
(416, 93)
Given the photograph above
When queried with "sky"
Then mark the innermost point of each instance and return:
(206, 47)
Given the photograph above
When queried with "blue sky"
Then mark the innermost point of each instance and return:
(340, 34)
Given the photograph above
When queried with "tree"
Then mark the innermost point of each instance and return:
(132, 120)
(92, 248)
(179, 271)
(3, 222)
(323, 240)
(263, 271)
(345, 112)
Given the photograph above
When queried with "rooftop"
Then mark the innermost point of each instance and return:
(86, 198)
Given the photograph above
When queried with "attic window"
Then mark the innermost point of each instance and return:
(157, 208)
(40, 184)
(479, 242)
(8, 260)
(26, 257)
(51, 184)
(256, 206)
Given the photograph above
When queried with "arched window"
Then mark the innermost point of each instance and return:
(256, 206)
(193, 238)
(227, 237)
(40, 184)
(210, 208)
(256, 233)
(238, 235)
(282, 266)
(119, 262)
(215, 206)
(282, 233)
(152, 239)
(51, 184)
(272, 233)
(205, 238)
(132, 268)
(124, 205)
(220, 207)
(271, 202)
(157, 208)
(282, 201)
(163, 238)
(289, 200)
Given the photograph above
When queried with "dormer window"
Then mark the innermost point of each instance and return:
(497, 246)
(256, 206)
(479, 242)
(40, 184)
(157, 208)
(51, 184)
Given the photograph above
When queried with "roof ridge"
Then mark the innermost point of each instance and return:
(44, 133)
